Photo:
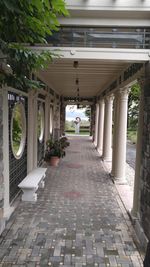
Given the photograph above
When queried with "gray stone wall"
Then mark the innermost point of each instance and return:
(1, 166)
(92, 126)
(145, 164)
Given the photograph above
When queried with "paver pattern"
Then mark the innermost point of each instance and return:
(78, 219)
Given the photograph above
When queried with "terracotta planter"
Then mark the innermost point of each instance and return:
(54, 161)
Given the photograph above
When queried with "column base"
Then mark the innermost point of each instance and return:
(106, 159)
(111, 175)
(99, 151)
(120, 180)
(95, 144)
(8, 211)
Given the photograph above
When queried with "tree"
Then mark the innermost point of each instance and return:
(133, 106)
(23, 22)
(88, 112)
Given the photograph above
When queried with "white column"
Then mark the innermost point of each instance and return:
(107, 150)
(56, 118)
(35, 141)
(7, 208)
(120, 144)
(47, 119)
(31, 118)
(115, 125)
(96, 124)
(136, 201)
(100, 127)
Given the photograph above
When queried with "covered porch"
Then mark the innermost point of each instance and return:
(78, 219)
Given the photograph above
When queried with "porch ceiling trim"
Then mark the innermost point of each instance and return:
(127, 77)
(128, 55)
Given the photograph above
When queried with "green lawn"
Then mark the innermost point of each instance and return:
(81, 133)
(132, 136)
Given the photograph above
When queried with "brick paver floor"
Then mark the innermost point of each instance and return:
(78, 219)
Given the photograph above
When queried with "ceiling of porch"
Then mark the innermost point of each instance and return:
(92, 76)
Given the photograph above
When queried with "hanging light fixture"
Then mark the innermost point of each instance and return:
(77, 81)
(75, 65)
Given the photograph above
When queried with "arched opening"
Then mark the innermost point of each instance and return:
(18, 130)
(40, 123)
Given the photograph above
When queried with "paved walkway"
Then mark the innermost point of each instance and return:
(131, 154)
(78, 220)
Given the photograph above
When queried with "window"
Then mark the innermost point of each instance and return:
(18, 130)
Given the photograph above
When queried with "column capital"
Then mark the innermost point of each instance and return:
(124, 92)
(33, 93)
(101, 100)
(109, 98)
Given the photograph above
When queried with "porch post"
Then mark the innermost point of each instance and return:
(56, 118)
(96, 125)
(100, 127)
(107, 151)
(31, 131)
(115, 125)
(35, 139)
(7, 209)
(121, 135)
(47, 118)
(62, 116)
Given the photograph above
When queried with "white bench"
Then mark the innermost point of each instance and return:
(31, 182)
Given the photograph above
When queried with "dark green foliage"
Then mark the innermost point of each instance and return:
(133, 106)
(16, 130)
(56, 148)
(88, 112)
(26, 22)
(64, 142)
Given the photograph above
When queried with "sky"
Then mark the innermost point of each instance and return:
(72, 112)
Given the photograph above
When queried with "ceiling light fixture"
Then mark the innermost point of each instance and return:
(77, 81)
(75, 64)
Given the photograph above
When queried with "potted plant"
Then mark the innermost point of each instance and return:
(64, 142)
(54, 151)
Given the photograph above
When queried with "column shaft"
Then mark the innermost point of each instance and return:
(92, 121)
(107, 151)
(100, 127)
(35, 138)
(47, 119)
(121, 135)
(115, 125)
(96, 124)
(31, 131)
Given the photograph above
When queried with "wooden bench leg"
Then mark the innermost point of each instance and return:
(29, 195)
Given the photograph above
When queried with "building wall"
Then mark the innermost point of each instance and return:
(92, 125)
(145, 168)
(2, 223)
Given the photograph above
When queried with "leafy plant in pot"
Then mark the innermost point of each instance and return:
(54, 151)
(64, 142)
